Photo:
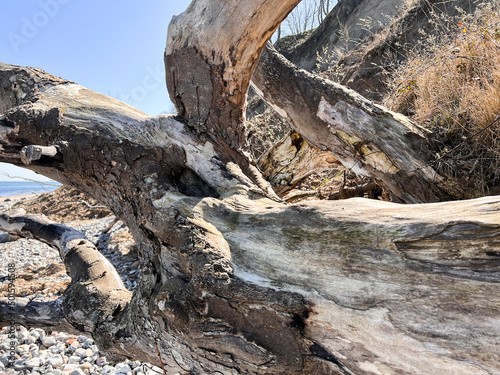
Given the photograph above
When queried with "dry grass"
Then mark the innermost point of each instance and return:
(264, 130)
(453, 88)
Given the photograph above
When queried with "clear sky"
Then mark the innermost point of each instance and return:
(113, 47)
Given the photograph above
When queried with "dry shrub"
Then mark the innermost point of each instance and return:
(264, 130)
(452, 87)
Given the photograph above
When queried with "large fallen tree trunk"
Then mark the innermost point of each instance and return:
(233, 280)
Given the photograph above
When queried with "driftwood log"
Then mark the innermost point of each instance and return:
(235, 281)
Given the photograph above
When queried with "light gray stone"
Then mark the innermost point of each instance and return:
(33, 362)
(81, 352)
(123, 369)
(48, 341)
(74, 359)
(55, 360)
(22, 349)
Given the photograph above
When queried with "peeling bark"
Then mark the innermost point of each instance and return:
(292, 160)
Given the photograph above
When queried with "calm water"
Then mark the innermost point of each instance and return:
(8, 188)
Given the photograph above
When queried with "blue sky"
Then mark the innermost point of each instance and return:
(113, 47)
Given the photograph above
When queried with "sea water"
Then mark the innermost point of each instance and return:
(9, 188)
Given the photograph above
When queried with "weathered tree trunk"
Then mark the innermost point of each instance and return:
(97, 290)
(233, 280)
(211, 52)
(366, 138)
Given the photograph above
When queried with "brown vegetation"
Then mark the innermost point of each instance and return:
(452, 87)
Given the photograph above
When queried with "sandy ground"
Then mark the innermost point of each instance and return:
(17, 197)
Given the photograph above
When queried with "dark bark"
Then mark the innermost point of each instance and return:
(34, 314)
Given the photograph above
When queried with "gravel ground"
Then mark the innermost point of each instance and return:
(40, 275)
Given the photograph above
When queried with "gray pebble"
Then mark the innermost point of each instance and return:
(48, 341)
(33, 362)
(55, 360)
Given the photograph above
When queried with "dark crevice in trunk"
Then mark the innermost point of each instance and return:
(319, 351)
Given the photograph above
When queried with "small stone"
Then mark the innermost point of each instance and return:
(38, 331)
(74, 359)
(77, 372)
(31, 339)
(48, 341)
(75, 344)
(101, 361)
(33, 362)
(55, 360)
(71, 340)
(22, 349)
(123, 369)
(86, 366)
(81, 352)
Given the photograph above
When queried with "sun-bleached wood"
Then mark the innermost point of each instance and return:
(366, 138)
(234, 281)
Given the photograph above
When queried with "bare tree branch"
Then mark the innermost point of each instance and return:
(96, 290)
(34, 314)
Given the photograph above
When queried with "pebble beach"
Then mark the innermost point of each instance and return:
(40, 275)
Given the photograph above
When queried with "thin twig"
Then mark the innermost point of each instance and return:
(159, 356)
(469, 138)
(459, 145)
